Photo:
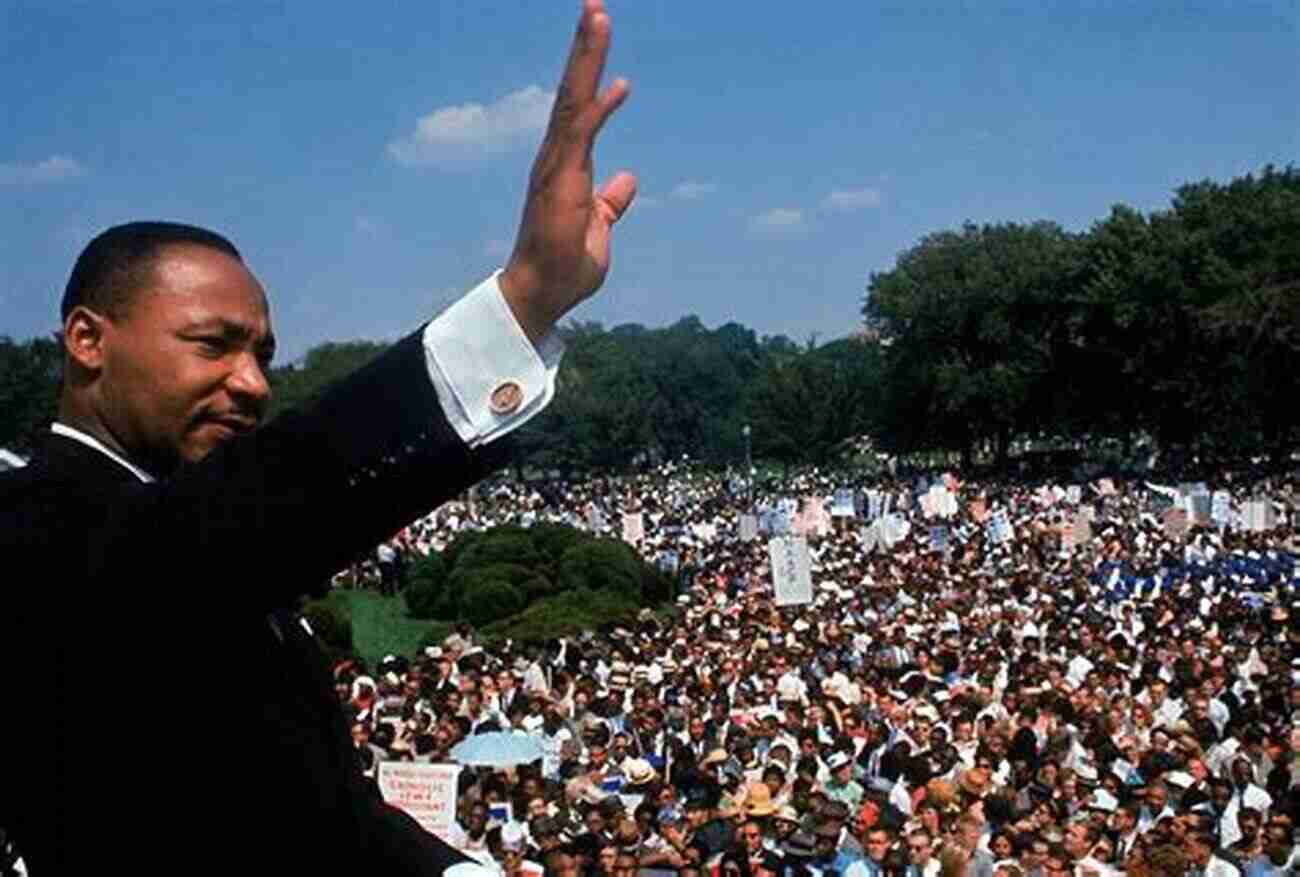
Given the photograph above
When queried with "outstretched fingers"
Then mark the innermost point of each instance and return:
(582, 72)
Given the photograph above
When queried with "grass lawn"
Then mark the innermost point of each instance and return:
(380, 625)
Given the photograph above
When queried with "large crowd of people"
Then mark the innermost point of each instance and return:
(1019, 693)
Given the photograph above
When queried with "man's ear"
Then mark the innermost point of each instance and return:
(83, 338)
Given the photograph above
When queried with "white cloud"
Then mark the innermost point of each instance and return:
(54, 169)
(852, 199)
(692, 189)
(778, 219)
(456, 134)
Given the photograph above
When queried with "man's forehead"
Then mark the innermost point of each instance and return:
(201, 284)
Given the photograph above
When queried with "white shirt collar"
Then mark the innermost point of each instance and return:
(90, 441)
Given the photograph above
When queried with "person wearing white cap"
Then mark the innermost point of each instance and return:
(841, 786)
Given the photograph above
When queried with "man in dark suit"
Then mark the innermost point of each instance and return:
(176, 535)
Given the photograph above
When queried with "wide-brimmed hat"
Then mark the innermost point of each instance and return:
(787, 814)
(715, 756)
(639, 771)
(758, 802)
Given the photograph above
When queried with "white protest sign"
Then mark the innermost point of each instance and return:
(875, 504)
(894, 529)
(633, 527)
(748, 527)
(1082, 527)
(595, 518)
(791, 570)
(426, 792)
(869, 537)
(1221, 508)
(843, 504)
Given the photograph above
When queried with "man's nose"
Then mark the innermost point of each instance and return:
(249, 380)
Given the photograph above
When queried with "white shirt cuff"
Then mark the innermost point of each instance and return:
(475, 351)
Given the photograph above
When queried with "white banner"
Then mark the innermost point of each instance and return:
(427, 792)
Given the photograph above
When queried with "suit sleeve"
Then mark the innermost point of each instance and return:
(304, 494)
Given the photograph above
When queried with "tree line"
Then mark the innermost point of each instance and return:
(1182, 325)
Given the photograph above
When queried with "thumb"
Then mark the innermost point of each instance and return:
(615, 196)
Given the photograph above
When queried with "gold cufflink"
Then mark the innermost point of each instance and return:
(506, 398)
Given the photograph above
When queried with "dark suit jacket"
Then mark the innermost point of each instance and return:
(156, 718)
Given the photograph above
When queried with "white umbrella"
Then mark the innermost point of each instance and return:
(497, 749)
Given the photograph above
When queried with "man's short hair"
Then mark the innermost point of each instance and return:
(119, 262)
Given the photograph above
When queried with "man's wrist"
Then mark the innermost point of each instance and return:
(522, 291)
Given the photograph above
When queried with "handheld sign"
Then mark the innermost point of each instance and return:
(843, 504)
(426, 792)
(791, 571)
(748, 527)
(633, 527)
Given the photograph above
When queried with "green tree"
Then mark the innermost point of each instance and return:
(30, 372)
(974, 320)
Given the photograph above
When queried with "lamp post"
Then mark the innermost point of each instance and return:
(749, 467)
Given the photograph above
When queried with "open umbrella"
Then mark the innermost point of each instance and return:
(497, 749)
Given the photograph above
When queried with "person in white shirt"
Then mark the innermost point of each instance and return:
(1203, 861)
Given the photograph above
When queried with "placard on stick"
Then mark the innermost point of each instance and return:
(791, 570)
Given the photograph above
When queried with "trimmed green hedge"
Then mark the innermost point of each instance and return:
(534, 583)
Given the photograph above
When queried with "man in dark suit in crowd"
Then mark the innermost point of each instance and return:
(181, 534)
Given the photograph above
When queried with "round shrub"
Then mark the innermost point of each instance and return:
(426, 580)
(488, 599)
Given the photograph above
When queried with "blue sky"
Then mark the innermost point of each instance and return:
(369, 159)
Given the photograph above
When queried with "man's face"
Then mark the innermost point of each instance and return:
(697, 816)
(1249, 825)
(918, 849)
(753, 837)
(877, 846)
(1076, 841)
(1035, 853)
(607, 857)
(183, 370)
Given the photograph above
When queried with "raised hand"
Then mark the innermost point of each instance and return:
(561, 254)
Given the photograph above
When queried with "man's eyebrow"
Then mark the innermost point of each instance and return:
(233, 331)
